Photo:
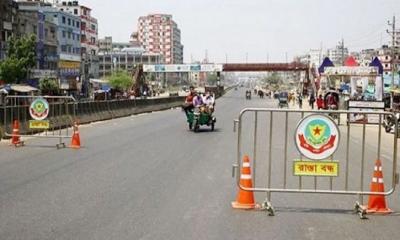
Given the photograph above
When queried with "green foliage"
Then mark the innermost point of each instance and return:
(120, 80)
(48, 86)
(274, 78)
(212, 79)
(21, 57)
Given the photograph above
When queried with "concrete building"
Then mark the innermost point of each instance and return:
(125, 59)
(159, 34)
(45, 30)
(69, 41)
(315, 57)
(338, 54)
(89, 25)
(365, 57)
(385, 56)
(8, 23)
(69, 47)
(89, 42)
(105, 44)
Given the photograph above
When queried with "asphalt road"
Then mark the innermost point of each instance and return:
(149, 177)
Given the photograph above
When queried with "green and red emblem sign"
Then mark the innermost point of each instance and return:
(39, 109)
(317, 137)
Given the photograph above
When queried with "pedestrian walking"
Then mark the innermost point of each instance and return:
(300, 101)
(311, 101)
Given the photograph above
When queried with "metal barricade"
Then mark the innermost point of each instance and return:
(268, 136)
(57, 114)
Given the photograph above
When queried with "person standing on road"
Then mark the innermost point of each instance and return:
(320, 102)
(312, 100)
(300, 101)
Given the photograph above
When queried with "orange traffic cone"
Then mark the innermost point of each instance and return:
(76, 141)
(377, 203)
(245, 199)
(16, 140)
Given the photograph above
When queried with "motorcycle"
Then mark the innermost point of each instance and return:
(389, 122)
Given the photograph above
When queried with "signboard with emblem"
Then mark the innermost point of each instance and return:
(316, 138)
(39, 110)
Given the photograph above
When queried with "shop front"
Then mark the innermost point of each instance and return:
(69, 74)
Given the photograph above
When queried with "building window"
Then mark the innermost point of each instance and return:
(73, 36)
(63, 34)
(73, 23)
(63, 19)
(63, 48)
(69, 21)
(77, 24)
(69, 35)
(93, 27)
(77, 37)
(76, 11)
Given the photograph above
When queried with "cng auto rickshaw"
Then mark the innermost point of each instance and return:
(200, 116)
(283, 99)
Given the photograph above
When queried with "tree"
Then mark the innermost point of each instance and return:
(48, 86)
(120, 80)
(212, 78)
(21, 57)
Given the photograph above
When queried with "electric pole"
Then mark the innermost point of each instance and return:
(393, 34)
(342, 46)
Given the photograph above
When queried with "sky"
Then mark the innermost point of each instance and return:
(259, 30)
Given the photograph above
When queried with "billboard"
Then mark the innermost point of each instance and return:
(183, 68)
(351, 71)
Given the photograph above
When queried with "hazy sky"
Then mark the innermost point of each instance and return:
(260, 28)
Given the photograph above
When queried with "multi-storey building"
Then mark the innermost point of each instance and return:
(159, 34)
(105, 44)
(8, 23)
(338, 54)
(125, 59)
(68, 36)
(35, 22)
(315, 57)
(69, 49)
(365, 57)
(89, 25)
(89, 41)
(385, 56)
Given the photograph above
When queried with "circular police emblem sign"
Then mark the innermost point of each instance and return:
(39, 109)
(317, 137)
